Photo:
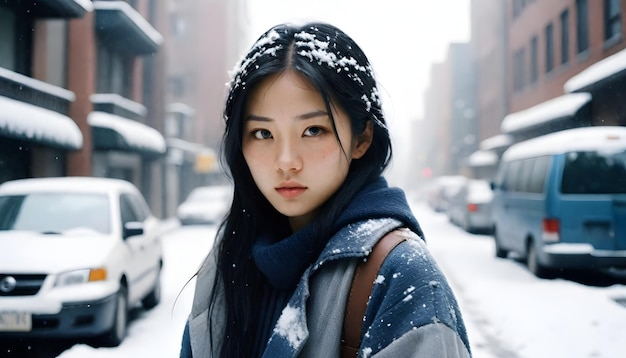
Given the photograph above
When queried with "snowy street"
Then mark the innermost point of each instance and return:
(512, 314)
(509, 312)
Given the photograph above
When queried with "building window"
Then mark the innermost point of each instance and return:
(55, 56)
(114, 72)
(176, 86)
(612, 19)
(582, 26)
(534, 59)
(519, 5)
(564, 37)
(7, 39)
(549, 48)
(16, 29)
(178, 25)
(518, 70)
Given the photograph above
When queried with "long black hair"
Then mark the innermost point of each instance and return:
(337, 67)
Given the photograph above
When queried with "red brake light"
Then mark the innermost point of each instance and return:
(551, 228)
(472, 208)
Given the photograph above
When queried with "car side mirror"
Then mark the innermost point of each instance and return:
(492, 185)
(133, 228)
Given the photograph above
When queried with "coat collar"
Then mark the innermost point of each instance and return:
(355, 240)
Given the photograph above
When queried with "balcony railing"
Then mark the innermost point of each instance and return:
(26, 89)
(115, 104)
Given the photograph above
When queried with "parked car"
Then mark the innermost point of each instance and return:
(205, 205)
(75, 255)
(442, 189)
(470, 207)
(560, 200)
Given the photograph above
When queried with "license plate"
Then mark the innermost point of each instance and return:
(15, 321)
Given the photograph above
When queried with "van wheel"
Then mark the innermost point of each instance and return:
(532, 261)
(500, 252)
(117, 333)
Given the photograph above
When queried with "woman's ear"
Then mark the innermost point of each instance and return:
(363, 141)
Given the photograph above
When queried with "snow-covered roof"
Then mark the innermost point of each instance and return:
(495, 142)
(24, 120)
(482, 158)
(600, 70)
(73, 184)
(604, 138)
(133, 15)
(136, 135)
(556, 108)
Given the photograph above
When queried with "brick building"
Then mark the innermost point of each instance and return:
(81, 92)
(562, 67)
(204, 41)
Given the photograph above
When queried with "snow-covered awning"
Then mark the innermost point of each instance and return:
(25, 121)
(482, 158)
(180, 150)
(125, 29)
(57, 8)
(498, 141)
(113, 132)
(182, 108)
(563, 107)
(612, 66)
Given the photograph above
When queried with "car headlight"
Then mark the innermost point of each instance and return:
(81, 276)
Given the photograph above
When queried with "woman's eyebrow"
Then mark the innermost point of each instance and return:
(252, 117)
(309, 115)
(318, 113)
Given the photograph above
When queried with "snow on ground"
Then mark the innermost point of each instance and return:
(511, 313)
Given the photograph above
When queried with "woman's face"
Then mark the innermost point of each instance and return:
(291, 149)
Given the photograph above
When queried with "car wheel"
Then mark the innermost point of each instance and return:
(466, 225)
(500, 252)
(532, 261)
(153, 298)
(117, 333)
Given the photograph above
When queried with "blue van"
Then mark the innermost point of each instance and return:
(560, 200)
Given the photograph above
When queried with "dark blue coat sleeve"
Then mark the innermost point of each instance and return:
(185, 348)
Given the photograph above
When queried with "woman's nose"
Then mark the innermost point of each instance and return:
(288, 157)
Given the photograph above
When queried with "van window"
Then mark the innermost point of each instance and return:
(594, 172)
(498, 181)
(523, 181)
(512, 176)
(538, 174)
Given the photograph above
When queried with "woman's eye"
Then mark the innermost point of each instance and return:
(313, 131)
(262, 134)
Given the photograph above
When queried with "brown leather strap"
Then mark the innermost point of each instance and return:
(362, 284)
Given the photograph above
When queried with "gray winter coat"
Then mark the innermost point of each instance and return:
(412, 311)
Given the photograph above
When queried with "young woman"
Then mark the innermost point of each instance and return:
(306, 144)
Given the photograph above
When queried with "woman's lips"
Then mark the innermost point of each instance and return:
(290, 192)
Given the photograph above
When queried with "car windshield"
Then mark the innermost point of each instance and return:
(55, 212)
(594, 172)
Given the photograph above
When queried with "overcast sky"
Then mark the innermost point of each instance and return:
(402, 38)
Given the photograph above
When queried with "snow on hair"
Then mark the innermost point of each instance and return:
(322, 51)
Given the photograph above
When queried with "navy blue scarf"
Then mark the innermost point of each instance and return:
(283, 259)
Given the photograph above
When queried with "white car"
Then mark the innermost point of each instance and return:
(205, 205)
(75, 254)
